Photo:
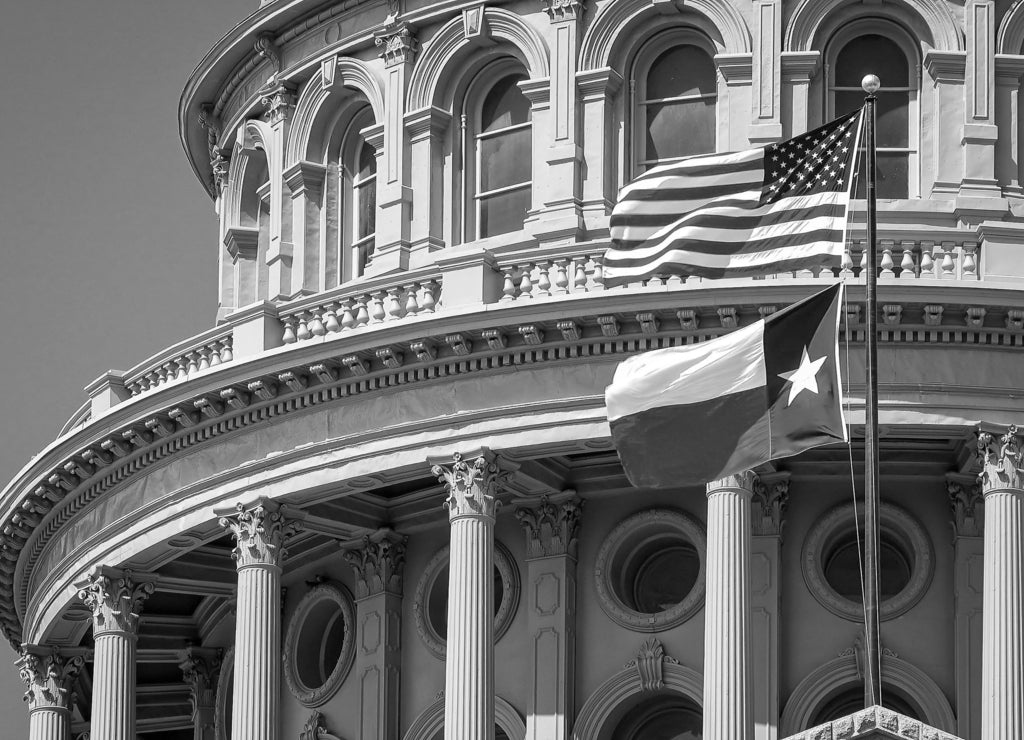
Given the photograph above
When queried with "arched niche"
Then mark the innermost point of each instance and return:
(249, 161)
(440, 57)
(840, 673)
(932, 23)
(431, 721)
(619, 23)
(341, 82)
(650, 673)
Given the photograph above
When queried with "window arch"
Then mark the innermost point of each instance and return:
(498, 164)
(674, 90)
(885, 49)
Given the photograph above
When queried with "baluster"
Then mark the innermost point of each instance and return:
(947, 266)
(289, 330)
(579, 278)
(526, 283)
(394, 304)
(302, 334)
(846, 263)
(182, 371)
(348, 319)
(331, 315)
(428, 298)
(412, 307)
(544, 279)
(927, 263)
(227, 344)
(907, 263)
(970, 267)
(316, 324)
(193, 362)
(157, 376)
(598, 274)
(362, 315)
(214, 348)
(561, 283)
(204, 358)
(143, 384)
(377, 312)
(508, 286)
(886, 266)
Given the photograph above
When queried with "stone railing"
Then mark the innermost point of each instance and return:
(209, 349)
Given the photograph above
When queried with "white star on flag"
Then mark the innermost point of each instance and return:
(804, 377)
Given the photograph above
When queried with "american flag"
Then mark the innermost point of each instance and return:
(776, 208)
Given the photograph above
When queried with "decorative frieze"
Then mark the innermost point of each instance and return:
(551, 528)
(650, 663)
(49, 677)
(379, 563)
(260, 531)
(115, 598)
(1000, 460)
(472, 487)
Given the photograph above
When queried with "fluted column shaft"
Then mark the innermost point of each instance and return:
(728, 694)
(49, 677)
(116, 599)
(260, 530)
(469, 660)
(1002, 652)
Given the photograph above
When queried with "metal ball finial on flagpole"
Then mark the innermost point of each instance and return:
(872, 674)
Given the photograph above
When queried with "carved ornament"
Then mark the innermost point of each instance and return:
(472, 487)
(1000, 461)
(745, 479)
(260, 532)
(201, 668)
(115, 598)
(966, 505)
(379, 563)
(265, 46)
(551, 529)
(397, 46)
(279, 100)
(49, 678)
(768, 505)
(303, 644)
(650, 664)
(560, 10)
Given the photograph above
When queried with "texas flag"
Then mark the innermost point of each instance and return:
(697, 413)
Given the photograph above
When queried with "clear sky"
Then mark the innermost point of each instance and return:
(107, 241)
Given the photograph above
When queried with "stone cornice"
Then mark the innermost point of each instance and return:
(78, 468)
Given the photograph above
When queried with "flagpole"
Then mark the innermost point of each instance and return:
(872, 674)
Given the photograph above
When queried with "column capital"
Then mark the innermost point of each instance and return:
(115, 597)
(397, 45)
(1000, 461)
(378, 560)
(564, 10)
(769, 501)
(260, 530)
(472, 487)
(551, 527)
(200, 667)
(966, 505)
(279, 100)
(219, 165)
(744, 480)
(49, 676)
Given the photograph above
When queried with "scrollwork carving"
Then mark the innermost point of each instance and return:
(201, 669)
(49, 678)
(650, 664)
(472, 487)
(397, 46)
(768, 505)
(260, 532)
(1000, 461)
(115, 598)
(551, 529)
(965, 503)
(563, 9)
(379, 563)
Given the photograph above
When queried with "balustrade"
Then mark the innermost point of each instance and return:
(174, 366)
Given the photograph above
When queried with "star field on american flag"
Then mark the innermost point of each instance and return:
(816, 162)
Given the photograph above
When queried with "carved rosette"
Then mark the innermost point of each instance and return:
(472, 487)
(967, 506)
(260, 532)
(768, 507)
(745, 480)
(650, 664)
(379, 564)
(201, 670)
(1000, 461)
(397, 46)
(562, 10)
(115, 598)
(551, 529)
(49, 678)
(279, 100)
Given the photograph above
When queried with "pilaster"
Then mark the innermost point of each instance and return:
(1002, 682)
(115, 598)
(980, 131)
(398, 47)
(966, 508)
(469, 663)
(1009, 71)
(49, 677)
(947, 70)
(305, 181)
(379, 564)
(200, 668)
(798, 69)
(279, 100)
(728, 687)
(769, 500)
(552, 533)
(766, 123)
(597, 90)
(425, 130)
(260, 530)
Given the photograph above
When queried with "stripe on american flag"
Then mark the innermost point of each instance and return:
(776, 208)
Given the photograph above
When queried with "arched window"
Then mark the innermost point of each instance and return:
(851, 700)
(499, 163)
(885, 50)
(674, 97)
(661, 717)
(352, 194)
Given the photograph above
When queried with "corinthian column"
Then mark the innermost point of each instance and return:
(1002, 649)
(469, 660)
(200, 668)
(260, 530)
(728, 695)
(49, 677)
(115, 598)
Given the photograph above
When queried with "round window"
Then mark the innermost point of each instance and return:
(430, 606)
(649, 572)
(319, 645)
(832, 562)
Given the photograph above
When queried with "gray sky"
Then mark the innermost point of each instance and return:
(107, 240)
